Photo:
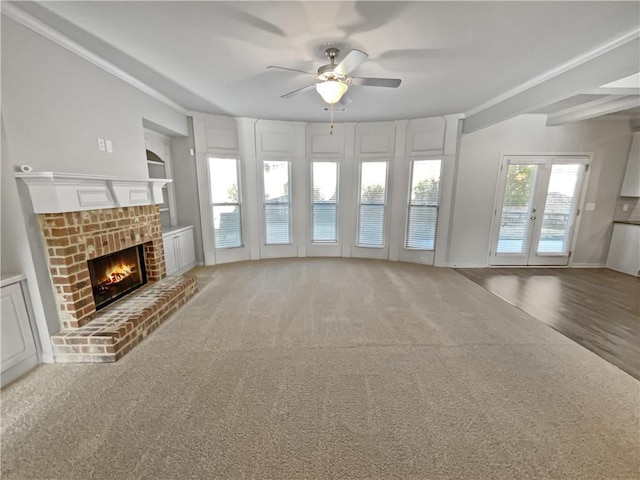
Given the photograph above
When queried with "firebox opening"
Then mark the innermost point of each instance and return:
(116, 274)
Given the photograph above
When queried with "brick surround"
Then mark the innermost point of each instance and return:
(72, 238)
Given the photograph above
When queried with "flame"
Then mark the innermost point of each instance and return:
(118, 272)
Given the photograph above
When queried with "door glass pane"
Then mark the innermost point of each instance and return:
(559, 209)
(372, 204)
(324, 202)
(514, 233)
(277, 205)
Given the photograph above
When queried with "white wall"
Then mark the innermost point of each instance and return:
(54, 107)
(479, 159)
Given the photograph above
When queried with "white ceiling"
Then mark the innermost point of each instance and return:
(451, 56)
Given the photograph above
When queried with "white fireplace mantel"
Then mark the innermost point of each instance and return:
(54, 192)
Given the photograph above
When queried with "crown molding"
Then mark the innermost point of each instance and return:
(55, 36)
(554, 72)
(595, 108)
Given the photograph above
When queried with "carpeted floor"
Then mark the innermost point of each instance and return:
(331, 368)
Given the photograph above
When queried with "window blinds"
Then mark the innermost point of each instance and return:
(514, 235)
(559, 208)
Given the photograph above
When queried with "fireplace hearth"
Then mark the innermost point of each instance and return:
(117, 274)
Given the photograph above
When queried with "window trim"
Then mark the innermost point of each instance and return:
(409, 205)
(227, 204)
(336, 203)
(289, 203)
(385, 205)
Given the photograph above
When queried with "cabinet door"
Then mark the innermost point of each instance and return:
(17, 340)
(187, 248)
(624, 249)
(170, 254)
(631, 183)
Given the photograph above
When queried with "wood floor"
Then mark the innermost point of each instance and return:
(597, 308)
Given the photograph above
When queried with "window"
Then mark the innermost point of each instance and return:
(372, 203)
(324, 200)
(225, 195)
(277, 202)
(422, 216)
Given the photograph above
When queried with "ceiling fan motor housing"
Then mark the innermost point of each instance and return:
(326, 72)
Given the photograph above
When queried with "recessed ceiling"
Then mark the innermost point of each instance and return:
(451, 56)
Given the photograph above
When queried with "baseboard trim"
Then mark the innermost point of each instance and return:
(588, 265)
(466, 265)
(47, 358)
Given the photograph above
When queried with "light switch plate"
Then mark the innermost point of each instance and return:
(590, 207)
(109, 146)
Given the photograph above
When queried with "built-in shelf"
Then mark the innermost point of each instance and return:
(158, 153)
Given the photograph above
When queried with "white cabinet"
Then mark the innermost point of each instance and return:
(19, 354)
(631, 182)
(179, 249)
(624, 249)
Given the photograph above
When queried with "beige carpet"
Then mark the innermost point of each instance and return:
(331, 368)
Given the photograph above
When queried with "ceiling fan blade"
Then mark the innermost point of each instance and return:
(376, 82)
(301, 89)
(345, 100)
(350, 62)
(291, 70)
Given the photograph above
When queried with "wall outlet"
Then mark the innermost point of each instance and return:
(109, 146)
(625, 207)
(101, 145)
(590, 207)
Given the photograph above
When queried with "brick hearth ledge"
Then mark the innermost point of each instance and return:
(119, 327)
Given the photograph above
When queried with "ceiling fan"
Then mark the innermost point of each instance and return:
(334, 80)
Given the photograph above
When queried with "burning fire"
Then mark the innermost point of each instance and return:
(117, 273)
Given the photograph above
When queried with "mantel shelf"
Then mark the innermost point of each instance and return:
(56, 192)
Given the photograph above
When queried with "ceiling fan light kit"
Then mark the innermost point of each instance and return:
(331, 91)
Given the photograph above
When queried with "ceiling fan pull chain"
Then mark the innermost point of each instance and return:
(331, 126)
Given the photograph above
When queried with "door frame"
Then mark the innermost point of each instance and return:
(584, 157)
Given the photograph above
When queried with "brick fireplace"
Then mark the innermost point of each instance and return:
(82, 219)
(73, 238)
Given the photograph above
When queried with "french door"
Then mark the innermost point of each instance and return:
(536, 209)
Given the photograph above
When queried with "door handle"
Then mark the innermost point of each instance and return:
(532, 218)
